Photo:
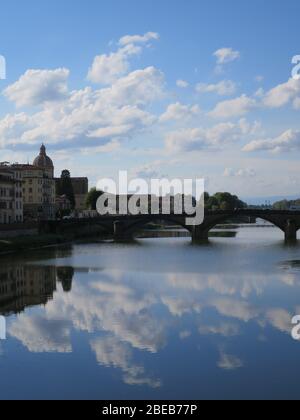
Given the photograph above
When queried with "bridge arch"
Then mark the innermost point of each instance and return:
(287, 223)
(129, 229)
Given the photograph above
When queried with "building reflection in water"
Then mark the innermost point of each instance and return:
(23, 286)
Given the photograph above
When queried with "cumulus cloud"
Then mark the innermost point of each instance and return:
(226, 55)
(109, 306)
(283, 94)
(233, 108)
(225, 329)
(87, 117)
(180, 112)
(36, 87)
(218, 136)
(286, 142)
(107, 68)
(237, 309)
(229, 362)
(182, 84)
(223, 88)
(139, 39)
(239, 173)
(179, 306)
(110, 352)
(280, 319)
(41, 335)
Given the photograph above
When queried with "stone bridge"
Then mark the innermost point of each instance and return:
(125, 227)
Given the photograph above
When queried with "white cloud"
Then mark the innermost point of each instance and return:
(183, 335)
(240, 173)
(215, 137)
(237, 309)
(180, 112)
(139, 39)
(182, 84)
(233, 108)
(89, 117)
(286, 142)
(111, 352)
(225, 329)
(108, 305)
(226, 55)
(223, 88)
(36, 87)
(280, 319)
(283, 94)
(229, 362)
(179, 307)
(41, 335)
(259, 79)
(107, 68)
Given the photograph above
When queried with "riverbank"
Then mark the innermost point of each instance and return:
(27, 243)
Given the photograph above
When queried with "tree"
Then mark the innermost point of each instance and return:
(65, 187)
(212, 203)
(224, 201)
(92, 198)
(65, 276)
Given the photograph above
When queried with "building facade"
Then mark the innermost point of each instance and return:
(38, 188)
(11, 195)
(25, 286)
(81, 189)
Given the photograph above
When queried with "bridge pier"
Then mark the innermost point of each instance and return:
(291, 231)
(120, 233)
(199, 234)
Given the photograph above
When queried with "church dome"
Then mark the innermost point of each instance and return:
(43, 161)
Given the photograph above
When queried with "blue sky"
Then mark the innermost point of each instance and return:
(172, 87)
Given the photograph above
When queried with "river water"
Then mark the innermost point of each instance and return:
(156, 319)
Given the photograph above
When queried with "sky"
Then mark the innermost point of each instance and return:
(160, 88)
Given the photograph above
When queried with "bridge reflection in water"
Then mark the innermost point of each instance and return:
(125, 227)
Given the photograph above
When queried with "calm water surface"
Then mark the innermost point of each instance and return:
(157, 319)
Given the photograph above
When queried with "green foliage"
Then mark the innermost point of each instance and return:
(223, 201)
(92, 197)
(285, 204)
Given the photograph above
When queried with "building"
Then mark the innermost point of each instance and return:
(80, 189)
(38, 188)
(11, 194)
(63, 204)
(25, 286)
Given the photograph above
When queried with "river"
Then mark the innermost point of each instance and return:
(156, 319)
